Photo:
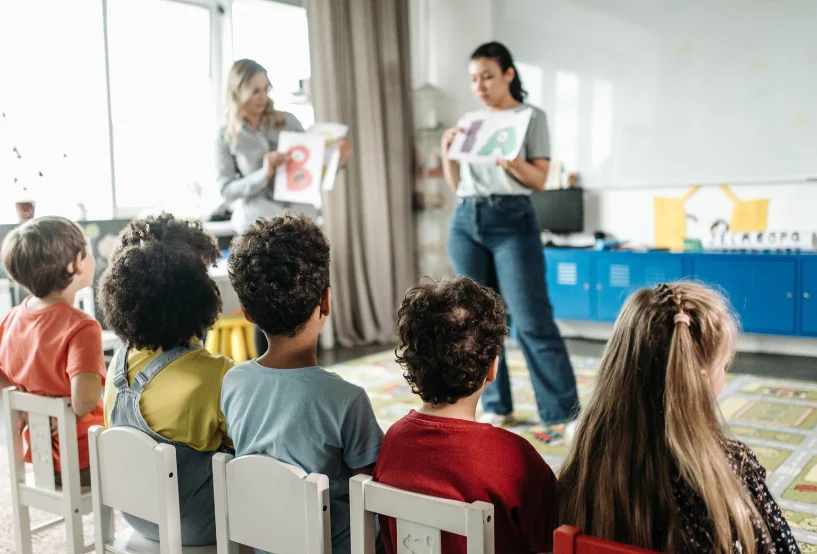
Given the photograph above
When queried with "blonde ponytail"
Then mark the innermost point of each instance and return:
(699, 456)
(654, 416)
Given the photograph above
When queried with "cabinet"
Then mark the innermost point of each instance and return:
(808, 297)
(770, 293)
(569, 275)
(619, 274)
(761, 288)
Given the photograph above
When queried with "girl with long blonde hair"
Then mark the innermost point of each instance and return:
(651, 464)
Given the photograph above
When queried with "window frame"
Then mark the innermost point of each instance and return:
(221, 59)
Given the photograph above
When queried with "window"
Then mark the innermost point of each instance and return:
(162, 106)
(53, 95)
(275, 35)
(137, 133)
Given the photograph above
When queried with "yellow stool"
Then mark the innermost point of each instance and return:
(232, 337)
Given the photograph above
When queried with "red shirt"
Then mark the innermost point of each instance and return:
(470, 461)
(41, 350)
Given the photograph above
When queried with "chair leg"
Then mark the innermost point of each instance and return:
(73, 534)
(22, 527)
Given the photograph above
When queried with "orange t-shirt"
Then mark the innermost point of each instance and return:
(41, 350)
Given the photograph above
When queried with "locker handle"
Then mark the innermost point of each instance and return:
(806, 295)
(789, 295)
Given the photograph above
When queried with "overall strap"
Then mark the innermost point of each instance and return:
(158, 364)
(120, 376)
(120, 371)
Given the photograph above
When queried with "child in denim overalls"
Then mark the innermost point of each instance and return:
(159, 299)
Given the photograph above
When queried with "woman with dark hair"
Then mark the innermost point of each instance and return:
(494, 239)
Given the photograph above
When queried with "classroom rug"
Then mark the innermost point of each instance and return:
(777, 418)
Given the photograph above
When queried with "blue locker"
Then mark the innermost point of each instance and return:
(569, 275)
(808, 297)
(619, 274)
(760, 287)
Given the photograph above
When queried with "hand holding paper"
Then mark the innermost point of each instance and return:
(490, 136)
(334, 134)
(346, 150)
(507, 165)
(299, 179)
(448, 138)
(271, 162)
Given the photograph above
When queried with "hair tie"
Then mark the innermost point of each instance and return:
(142, 234)
(681, 318)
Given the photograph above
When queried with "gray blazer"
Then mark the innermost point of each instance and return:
(240, 174)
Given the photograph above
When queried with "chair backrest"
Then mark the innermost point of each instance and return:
(6, 298)
(571, 540)
(40, 410)
(133, 473)
(270, 505)
(420, 518)
(84, 300)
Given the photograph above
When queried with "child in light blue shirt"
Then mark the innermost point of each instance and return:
(282, 404)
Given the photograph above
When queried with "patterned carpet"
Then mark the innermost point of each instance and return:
(777, 418)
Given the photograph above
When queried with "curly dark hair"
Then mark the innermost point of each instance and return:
(449, 332)
(166, 228)
(279, 268)
(158, 295)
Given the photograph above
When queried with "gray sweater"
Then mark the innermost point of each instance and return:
(240, 173)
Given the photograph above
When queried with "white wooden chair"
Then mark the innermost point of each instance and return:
(39, 490)
(84, 300)
(133, 473)
(420, 519)
(270, 505)
(6, 298)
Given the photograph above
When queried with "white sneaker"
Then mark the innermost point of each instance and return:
(570, 429)
(497, 420)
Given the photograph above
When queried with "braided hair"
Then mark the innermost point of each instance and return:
(654, 420)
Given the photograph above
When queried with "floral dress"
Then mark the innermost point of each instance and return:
(695, 524)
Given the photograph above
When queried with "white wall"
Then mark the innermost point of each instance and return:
(583, 42)
(628, 214)
(443, 35)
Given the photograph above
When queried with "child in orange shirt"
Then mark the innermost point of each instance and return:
(48, 347)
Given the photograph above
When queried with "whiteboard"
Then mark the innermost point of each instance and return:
(644, 93)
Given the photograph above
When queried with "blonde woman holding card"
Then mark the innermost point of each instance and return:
(246, 147)
(246, 152)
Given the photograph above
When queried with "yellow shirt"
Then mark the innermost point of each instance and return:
(182, 403)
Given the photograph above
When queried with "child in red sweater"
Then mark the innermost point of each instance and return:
(449, 337)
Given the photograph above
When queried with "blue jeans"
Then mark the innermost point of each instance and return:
(495, 241)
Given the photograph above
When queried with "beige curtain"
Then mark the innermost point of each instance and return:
(361, 77)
